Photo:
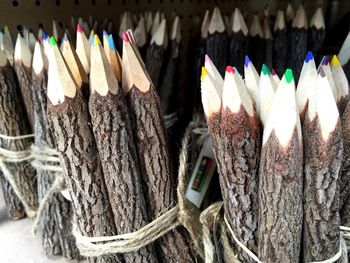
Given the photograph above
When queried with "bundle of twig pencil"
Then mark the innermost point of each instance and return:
(281, 192)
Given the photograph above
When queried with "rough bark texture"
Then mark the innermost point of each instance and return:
(154, 62)
(14, 122)
(168, 87)
(217, 50)
(113, 133)
(345, 168)
(257, 51)
(342, 103)
(321, 234)
(298, 50)
(56, 223)
(280, 200)
(280, 51)
(315, 40)
(156, 171)
(78, 153)
(241, 153)
(237, 49)
(24, 75)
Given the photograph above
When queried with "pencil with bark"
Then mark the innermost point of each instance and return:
(280, 44)
(317, 33)
(344, 56)
(156, 53)
(70, 123)
(83, 49)
(112, 126)
(341, 84)
(6, 44)
(323, 149)
(251, 79)
(298, 41)
(238, 42)
(281, 179)
(15, 123)
(141, 39)
(268, 38)
(23, 68)
(240, 137)
(113, 56)
(256, 42)
(152, 148)
(56, 226)
(216, 46)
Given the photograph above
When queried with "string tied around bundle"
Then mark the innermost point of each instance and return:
(184, 213)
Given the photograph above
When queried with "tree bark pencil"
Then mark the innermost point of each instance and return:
(113, 56)
(344, 56)
(256, 43)
(22, 65)
(323, 150)
(153, 151)
(238, 43)
(240, 133)
(168, 86)
(344, 202)
(216, 46)
(280, 44)
(156, 53)
(15, 123)
(112, 127)
(317, 33)
(281, 180)
(299, 36)
(69, 120)
(140, 34)
(56, 221)
(268, 38)
(341, 84)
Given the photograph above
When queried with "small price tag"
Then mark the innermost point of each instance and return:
(202, 174)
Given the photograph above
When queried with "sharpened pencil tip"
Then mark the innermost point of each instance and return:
(207, 58)
(246, 61)
(45, 36)
(53, 41)
(111, 42)
(92, 33)
(335, 61)
(65, 37)
(204, 73)
(125, 37)
(265, 70)
(321, 72)
(309, 57)
(289, 75)
(273, 72)
(79, 28)
(97, 40)
(230, 69)
(325, 60)
(105, 33)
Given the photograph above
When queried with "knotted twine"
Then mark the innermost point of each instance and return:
(9, 156)
(184, 213)
(209, 247)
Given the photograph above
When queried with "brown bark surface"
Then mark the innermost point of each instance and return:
(280, 201)
(14, 122)
(241, 153)
(24, 75)
(113, 133)
(78, 153)
(345, 168)
(56, 220)
(156, 171)
(321, 234)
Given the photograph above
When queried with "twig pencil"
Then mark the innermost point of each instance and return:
(112, 126)
(156, 53)
(344, 56)
(275, 78)
(83, 49)
(341, 84)
(168, 86)
(8, 34)
(149, 21)
(317, 32)
(265, 94)
(280, 44)
(256, 42)
(15, 123)
(153, 150)
(306, 85)
(289, 14)
(238, 42)
(125, 24)
(298, 41)
(113, 57)
(216, 46)
(56, 221)
(7, 46)
(323, 150)
(69, 120)
(140, 34)
(23, 68)
(155, 23)
(325, 64)
(281, 179)
(268, 39)
(240, 135)
(251, 79)
(75, 66)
